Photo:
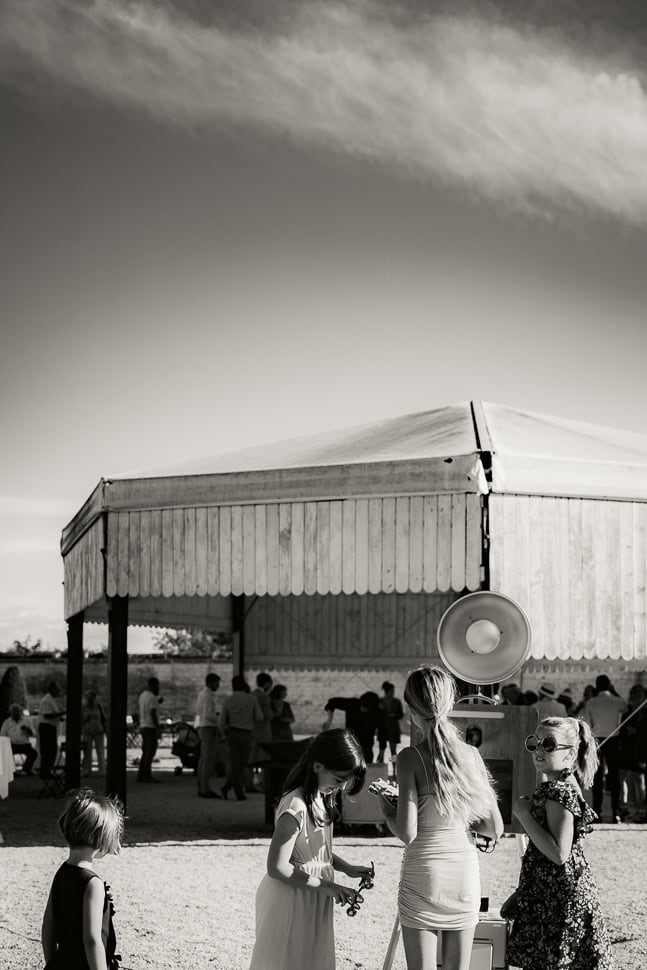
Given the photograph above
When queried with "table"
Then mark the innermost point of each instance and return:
(6, 766)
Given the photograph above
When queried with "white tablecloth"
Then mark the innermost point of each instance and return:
(6, 766)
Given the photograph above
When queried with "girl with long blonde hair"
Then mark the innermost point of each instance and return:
(444, 791)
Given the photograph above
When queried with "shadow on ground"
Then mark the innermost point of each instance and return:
(167, 812)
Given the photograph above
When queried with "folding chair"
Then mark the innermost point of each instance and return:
(54, 783)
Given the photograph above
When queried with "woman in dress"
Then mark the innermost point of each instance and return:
(294, 902)
(444, 790)
(558, 923)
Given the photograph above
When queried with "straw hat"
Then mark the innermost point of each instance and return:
(547, 690)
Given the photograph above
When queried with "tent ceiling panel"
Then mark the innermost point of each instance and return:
(211, 613)
(396, 630)
(578, 569)
(417, 543)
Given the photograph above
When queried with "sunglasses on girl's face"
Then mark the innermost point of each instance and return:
(547, 744)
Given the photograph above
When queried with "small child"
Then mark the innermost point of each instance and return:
(77, 926)
(558, 923)
(294, 902)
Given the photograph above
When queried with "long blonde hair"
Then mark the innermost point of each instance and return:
(431, 694)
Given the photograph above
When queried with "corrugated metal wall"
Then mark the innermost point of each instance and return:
(416, 544)
(355, 630)
(578, 567)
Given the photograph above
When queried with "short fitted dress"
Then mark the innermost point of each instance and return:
(559, 925)
(294, 925)
(440, 887)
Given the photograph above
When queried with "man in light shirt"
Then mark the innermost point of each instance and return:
(19, 732)
(149, 728)
(49, 714)
(240, 712)
(602, 713)
(210, 733)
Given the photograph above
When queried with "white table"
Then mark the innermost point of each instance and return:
(6, 766)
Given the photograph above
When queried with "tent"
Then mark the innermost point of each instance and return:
(345, 548)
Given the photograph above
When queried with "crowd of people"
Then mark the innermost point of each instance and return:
(445, 803)
(620, 730)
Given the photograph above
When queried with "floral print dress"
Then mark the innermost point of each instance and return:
(559, 923)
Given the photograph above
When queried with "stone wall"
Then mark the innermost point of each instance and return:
(308, 690)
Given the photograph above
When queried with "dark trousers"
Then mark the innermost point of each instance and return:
(608, 760)
(149, 747)
(30, 754)
(48, 741)
(240, 746)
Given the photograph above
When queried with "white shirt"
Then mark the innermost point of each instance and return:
(14, 731)
(602, 713)
(48, 705)
(208, 708)
(147, 704)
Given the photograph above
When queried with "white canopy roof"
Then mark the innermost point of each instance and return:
(532, 453)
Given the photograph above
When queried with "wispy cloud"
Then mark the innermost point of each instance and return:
(512, 115)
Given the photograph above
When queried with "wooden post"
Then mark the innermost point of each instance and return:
(74, 701)
(118, 692)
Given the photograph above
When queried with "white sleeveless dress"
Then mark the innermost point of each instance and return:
(440, 886)
(294, 926)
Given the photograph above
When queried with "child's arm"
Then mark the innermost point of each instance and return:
(279, 865)
(93, 901)
(353, 872)
(403, 819)
(47, 933)
(556, 841)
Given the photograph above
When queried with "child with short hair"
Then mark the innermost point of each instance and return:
(558, 923)
(77, 926)
(294, 902)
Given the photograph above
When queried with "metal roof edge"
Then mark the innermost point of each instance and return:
(90, 511)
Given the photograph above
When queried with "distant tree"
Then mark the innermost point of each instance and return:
(194, 643)
(25, 648)
(12, 691)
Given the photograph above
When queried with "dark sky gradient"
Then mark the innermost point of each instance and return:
(183, 282)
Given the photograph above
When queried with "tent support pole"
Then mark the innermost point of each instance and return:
(74, 700)
(118, 687)
(238, 617)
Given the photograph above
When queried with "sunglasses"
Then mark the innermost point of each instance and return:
(548, 744)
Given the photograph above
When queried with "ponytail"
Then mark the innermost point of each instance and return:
(587, 755)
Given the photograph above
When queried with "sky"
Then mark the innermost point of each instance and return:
(227, 224)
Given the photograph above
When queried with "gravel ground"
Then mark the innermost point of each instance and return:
(184, 883)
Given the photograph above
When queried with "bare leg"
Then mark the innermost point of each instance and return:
(420, 948)
(457, 949)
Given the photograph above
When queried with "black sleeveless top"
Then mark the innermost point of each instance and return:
(68, 889)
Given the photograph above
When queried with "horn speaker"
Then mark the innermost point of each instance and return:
(484, 637)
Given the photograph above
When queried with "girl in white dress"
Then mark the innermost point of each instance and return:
(294, 902)
(444, 790)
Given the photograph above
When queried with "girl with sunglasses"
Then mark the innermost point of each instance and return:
(558, 923)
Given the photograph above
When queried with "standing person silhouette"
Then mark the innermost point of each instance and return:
(49, 714)
(444, 789)
(602, 713)
(149, 726)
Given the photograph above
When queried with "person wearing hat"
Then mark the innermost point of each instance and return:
(548, 705)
